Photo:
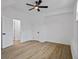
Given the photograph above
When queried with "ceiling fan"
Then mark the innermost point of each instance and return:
(36, 5)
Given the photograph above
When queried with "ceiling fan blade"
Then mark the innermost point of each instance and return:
(31, 9)
(43, 6)
(29, 4)
(38, 2)
(38, 10)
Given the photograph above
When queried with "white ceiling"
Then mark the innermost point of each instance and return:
(13, 8)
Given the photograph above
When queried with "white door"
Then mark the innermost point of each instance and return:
(7, 32)
(16, 29)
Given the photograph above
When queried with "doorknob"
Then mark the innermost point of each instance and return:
(3, 33)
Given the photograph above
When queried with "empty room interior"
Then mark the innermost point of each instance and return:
(39, 29)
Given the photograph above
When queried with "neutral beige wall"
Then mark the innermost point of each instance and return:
(57, 28)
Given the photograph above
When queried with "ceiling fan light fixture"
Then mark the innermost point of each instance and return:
(36, 8)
